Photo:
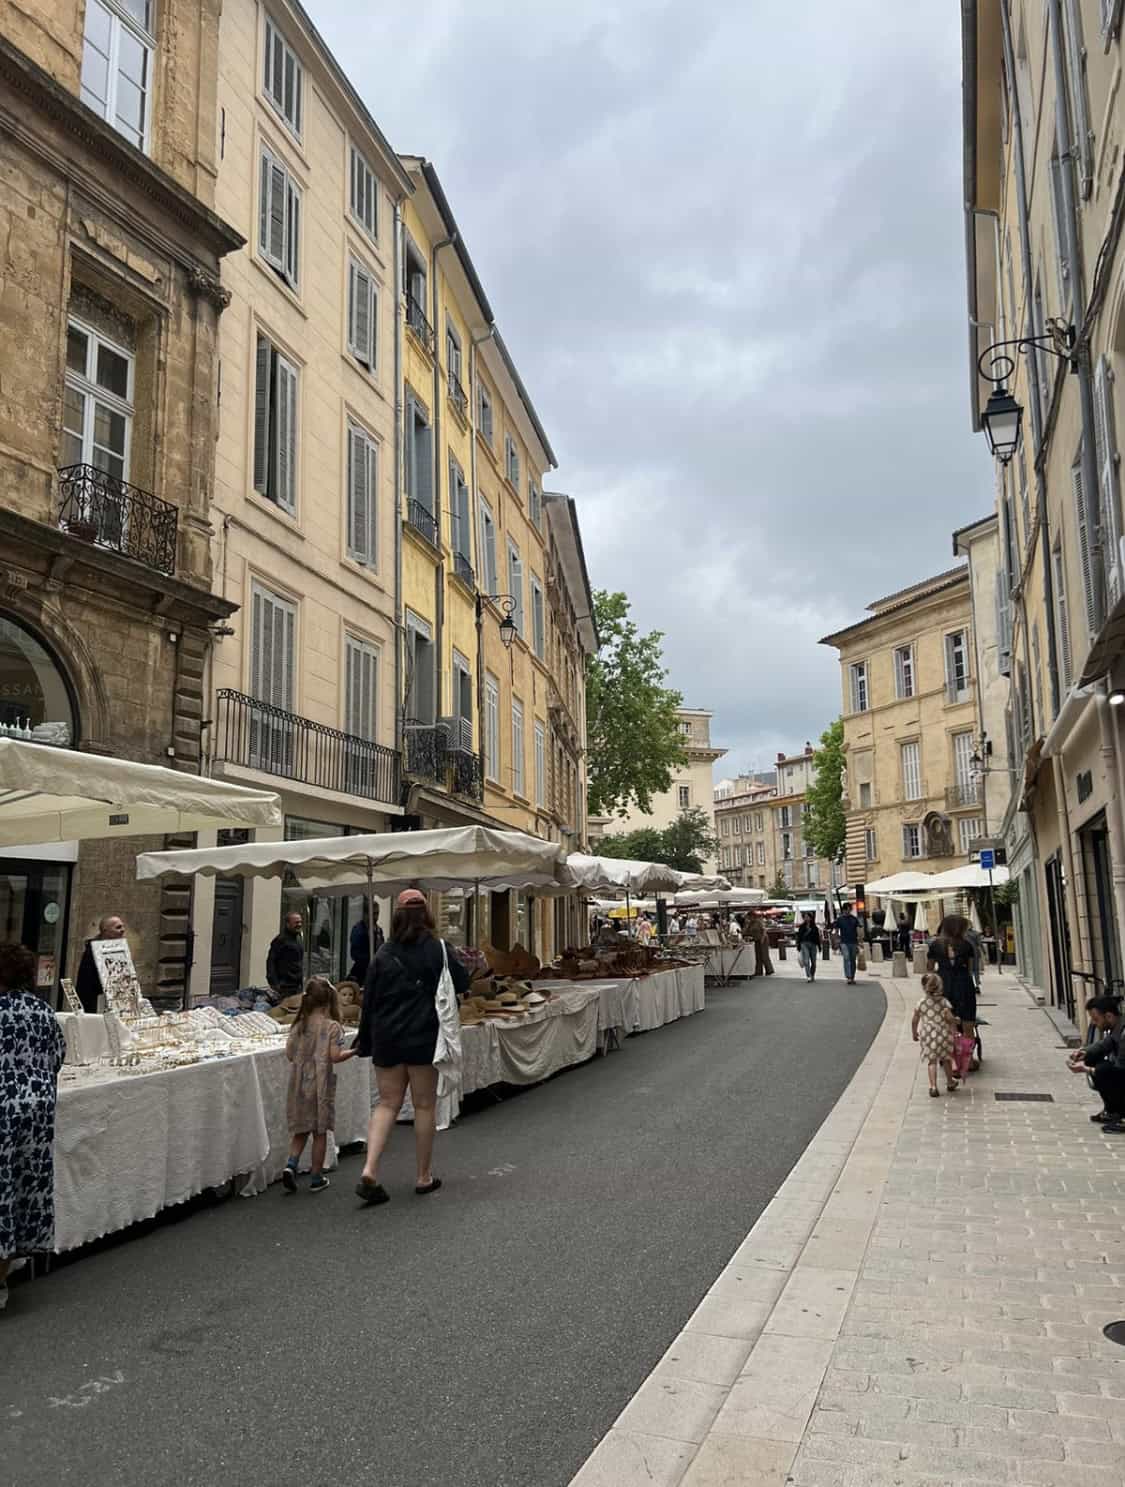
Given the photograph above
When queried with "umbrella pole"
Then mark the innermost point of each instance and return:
(476, 913)
(371, 908)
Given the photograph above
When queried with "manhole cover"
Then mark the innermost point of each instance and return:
(1009, 1095)
(1115, 1331)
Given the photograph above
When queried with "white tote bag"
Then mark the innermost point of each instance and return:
(447, 1050)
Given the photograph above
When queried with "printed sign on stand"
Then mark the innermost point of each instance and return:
(118, 976)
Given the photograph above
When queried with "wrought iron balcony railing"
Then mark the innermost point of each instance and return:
(965, 792)
(437, 758)
(463, 570)
(467, 774)
(457, 395)
(106, 511)
(258, 735)
(417, 322)
(423, 520)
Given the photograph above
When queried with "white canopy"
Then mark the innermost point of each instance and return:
(900, 883)
(972, 875)
(436, 860)
(733, 898)
(621, 875)
(49, 794)
(915, 887)
(706, 883)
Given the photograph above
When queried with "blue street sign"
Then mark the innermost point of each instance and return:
(987, 859)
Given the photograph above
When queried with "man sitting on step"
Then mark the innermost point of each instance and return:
(1104, 1060)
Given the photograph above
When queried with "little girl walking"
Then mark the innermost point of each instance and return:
(315, 1046)
(933, 1027)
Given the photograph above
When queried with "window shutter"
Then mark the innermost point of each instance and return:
(256, 649)
(1111, 16)
(1058, 208)
(1107, 481)
(361, 326)
(1003, 625)
(408, 448)
(425, 466)
(1084, 556)
(490, 553)
(262, 416)
(265, 204)
(1076, 62)
(358, 531)
(292, 233)
(286, 435)
(275, 243)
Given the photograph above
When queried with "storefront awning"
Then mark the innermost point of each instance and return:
(52, 794)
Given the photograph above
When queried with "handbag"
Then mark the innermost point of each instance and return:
(447, 1048)
(861, 961)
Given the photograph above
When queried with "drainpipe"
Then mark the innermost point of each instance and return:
(439, 575)
(1111, 768)
(474, 342)
(399, 415)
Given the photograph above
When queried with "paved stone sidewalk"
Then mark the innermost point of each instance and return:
(922, 1302)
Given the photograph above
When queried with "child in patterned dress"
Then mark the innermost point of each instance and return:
(314, 1048)
(933, 1026)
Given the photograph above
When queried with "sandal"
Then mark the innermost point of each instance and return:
(934, 1093)
(430, 1187)
(372, 1193)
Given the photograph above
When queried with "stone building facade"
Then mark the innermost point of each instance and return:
(761, 831)
(110, 273)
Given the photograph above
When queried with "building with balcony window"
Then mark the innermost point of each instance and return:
(112, 302)
(304, 685)
(1044, 125)
(761, 833)
(912, 727)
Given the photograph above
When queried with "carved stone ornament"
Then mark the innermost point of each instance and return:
(206, 286)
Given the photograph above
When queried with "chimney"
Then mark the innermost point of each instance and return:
(780, 758)
(808, 747)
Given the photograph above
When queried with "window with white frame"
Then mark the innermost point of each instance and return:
(486, 549)
(724, 826)
(273, 623)
(787, 846)
(463, 700)
(362, 317)
(761, 854)
(968, 831)
(362, 485)
(283, 78)
(459, 525)
(279, 218)
(858, 675)
(275, 425)
(910, 757)
(1085, 547)
(419, 466)
(865, 795)
(871, 844)
(515, 584)
(911, 841)
(118, 47)
(535, 503)
(957, 666)
(518, 781)
(538, 619)
(361, 688)
(904, 671)
(540, 764)
(484, 414)
(98, 402)
(784, 816)
(683, 796)
(364, 195)
(511, 461)
(491, 727)
(1062, 614)
(759, 821)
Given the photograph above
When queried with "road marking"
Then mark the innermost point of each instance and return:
(503, 1171)
(86, 1393)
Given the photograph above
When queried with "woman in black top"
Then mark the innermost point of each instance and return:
(398, 1031)
(951, 956)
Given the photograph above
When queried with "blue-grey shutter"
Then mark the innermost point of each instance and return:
(286, 433)
(1080, 110)
(275, 243)
(408, 450)
(262, 378)
(1107, 481)
(359, 535)
(1085, 557)
(292, 233)
(425, 467)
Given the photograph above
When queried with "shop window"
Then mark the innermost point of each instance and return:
(35, 701)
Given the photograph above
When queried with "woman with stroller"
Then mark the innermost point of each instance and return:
(952, 957)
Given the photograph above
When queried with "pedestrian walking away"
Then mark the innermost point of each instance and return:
(952, 956)
(847, 929)
(398, 1031)
(933, 1027)
(314, 1047)
(31, 1055)
(903, 935)
(808, 944)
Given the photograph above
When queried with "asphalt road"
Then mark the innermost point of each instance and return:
(486, 1337)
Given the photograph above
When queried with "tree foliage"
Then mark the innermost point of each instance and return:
(825, 825)
(780, 887)
(633, 735)
(685, 845)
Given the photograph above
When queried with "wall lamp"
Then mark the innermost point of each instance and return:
(508, 624)
(1003, 416)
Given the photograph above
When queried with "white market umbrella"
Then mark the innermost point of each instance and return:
(731, 898)
(706, 883)
(972, 875)
(901, 883)
(48, 794)
(621, 875)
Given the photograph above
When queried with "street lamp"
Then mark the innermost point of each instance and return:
(1003, 416)
(508, 624)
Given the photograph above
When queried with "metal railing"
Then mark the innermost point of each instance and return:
(99, 508)
(417, 322)
(457, 395)
(463, 570)
(258, 735)
(424, 747)
(423, 520)
(467, 774)
(965, 792)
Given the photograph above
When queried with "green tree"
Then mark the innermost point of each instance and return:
(632, 732)
(780, 887)
(825, 825)
(685, 845)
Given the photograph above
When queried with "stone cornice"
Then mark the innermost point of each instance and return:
(123, 160)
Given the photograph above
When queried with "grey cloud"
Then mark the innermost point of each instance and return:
(724, 243)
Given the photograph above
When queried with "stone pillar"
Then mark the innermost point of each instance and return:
(919, 960)
(898, 966)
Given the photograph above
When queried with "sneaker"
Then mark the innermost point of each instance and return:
(319, 1183)
(1101, 1117)
(1115, 1126)
(289, 1179)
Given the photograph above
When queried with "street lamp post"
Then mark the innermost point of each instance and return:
(508, 607)
(1002, 417)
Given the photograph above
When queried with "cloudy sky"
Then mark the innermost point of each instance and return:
(724, 244)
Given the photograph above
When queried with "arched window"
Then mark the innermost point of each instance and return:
(35, 697)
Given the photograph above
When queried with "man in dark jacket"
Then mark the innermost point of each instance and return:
(285, 964)
(847, 927)
(88, 982)
(360, 948)
(1104, 1061)
(755, 930)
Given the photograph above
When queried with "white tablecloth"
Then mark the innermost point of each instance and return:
(127, 1146)
(354, 1091)
(727, 962)
(646, 1002)
(86, 1034)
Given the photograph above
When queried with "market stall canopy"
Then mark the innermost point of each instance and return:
(621, 875)
(901, 883)
(705, 883)
(972, 875)
(436, 860)
(50, 794)
(723, 898)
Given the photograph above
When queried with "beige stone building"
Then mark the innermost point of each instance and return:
(744, 827)
(761, 830)
(911, 730)
(111, 306)
(1044, 184)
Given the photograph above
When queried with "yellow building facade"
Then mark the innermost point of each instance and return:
(911, 728)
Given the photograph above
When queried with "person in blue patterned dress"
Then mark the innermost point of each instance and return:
(31, 1054)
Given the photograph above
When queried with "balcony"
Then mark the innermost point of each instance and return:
(463, 570)
(467, 774)
(964, 793)
(458, 397)
(432, 760)
(257, 735)
(423, 520)
(100, 509)
(417, 323)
